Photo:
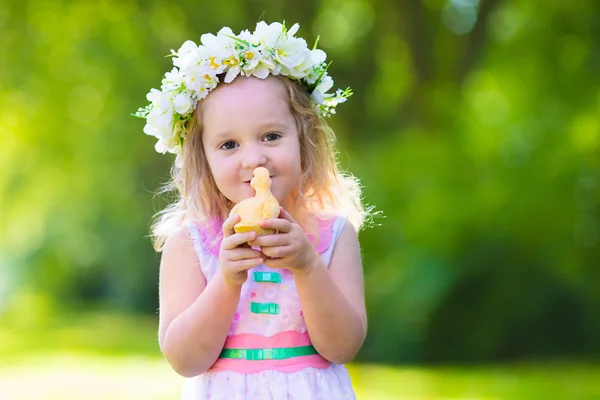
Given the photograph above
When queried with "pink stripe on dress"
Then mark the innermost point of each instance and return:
(283, 339)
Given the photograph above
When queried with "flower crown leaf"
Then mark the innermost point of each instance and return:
(197, 70)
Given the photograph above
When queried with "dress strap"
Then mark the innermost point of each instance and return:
(336, 230)
(201, 243)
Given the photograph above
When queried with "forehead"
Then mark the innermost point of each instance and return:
(244, 103)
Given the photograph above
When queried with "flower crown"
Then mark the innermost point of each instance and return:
(270, 49)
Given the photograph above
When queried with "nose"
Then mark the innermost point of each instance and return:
(253, 156)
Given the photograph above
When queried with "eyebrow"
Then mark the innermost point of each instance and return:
(264, 126)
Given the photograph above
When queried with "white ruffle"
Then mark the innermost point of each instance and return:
(332, 383)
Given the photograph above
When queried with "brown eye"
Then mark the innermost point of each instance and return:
(228, 145)
(269, 137)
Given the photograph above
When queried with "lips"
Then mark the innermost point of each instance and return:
(248, 181)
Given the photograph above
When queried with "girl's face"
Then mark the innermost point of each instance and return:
(247, 124)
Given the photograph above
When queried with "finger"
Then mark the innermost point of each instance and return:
(286, 215)
(275, 263)
(247, 263)
(242, 253)
(270, 240)
(228, 225)
(237, 239)
(277, 252)
(281, 225)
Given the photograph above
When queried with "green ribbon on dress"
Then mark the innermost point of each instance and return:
(268, 354)
(264, 308)
(271, 277)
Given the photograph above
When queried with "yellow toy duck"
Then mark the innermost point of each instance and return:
(260, 207)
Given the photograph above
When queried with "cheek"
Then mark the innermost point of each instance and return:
(293, 169)
(219, 173)
(298, 163)
(293, 156)
(222, 177)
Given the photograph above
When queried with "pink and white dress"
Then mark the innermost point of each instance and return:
(267, 353)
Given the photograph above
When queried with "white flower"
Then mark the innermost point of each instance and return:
(154, 96)
(162, 111)
(268, 35)
(157, 131)
(245, 35)
(186, 54)
(162, 133)
(196, 77)
(312, 76)
(219, 50)
(172, 80)
(255, 63)
(292, 31)
(317, 96)
(160, 147)
(222, 53)
(324, 84)
(223, 41)
(269, 50)
(211, 59)
(303, 68)
(318, 56)
(291, 52)
(261, 71)
(182, 103)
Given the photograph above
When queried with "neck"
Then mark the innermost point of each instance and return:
(291, 203)
(294, 206)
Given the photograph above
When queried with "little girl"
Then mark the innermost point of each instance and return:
(246, 316)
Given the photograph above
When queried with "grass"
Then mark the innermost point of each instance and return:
(113, 356)
(529, 381)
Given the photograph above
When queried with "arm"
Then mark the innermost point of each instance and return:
(333, 300)
(192, 330)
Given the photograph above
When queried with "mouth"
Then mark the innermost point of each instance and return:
(248, 182)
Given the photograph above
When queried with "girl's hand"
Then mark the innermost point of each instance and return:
(290, 248)
(235, 256)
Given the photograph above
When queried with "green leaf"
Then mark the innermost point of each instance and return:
(319, 78)
(238, 40)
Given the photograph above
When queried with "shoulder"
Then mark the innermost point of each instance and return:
(338, 241)
(342, 229)
(346, 248)
(178, 240)
(348, 236)
(179, 250)
(180, 269)
(346, 260)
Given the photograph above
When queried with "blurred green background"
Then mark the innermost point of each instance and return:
(474, 128)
